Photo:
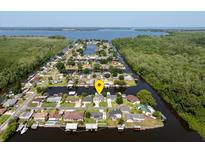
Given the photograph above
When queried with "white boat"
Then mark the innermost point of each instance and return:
(34, 126)
(20, 127)
(24, 130)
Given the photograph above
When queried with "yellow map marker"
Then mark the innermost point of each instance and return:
(99, 85)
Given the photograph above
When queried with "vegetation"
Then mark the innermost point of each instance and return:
(146, 98)
(3, 118)
(103, 104)
(8, 131)
(19, 56)
(174, 66)
(60, 66)
(119, 99)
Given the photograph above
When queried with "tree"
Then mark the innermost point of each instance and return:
(107, 75)
(119, 99)
(121, 121)
(80, 67)
(146, 98)
(17, 87)
(86, 71)
(121, 77)
(157, 114)
(60, 66)
(96, 67)
(87, 114)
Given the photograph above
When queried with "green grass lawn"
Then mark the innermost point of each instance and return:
(103, 104)
(48, 104)
(65, 104)
(3, 118)
(130, 83)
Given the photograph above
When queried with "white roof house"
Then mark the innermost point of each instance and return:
(26, 115)
(10, 102)
(54, 99)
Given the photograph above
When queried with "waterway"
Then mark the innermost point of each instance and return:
(174, 129)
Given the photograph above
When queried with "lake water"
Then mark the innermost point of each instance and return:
(175, 129)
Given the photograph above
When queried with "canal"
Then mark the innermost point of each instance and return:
(175, 129)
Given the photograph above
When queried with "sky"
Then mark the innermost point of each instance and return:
(102, 19)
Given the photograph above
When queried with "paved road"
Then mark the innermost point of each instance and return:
(18, 111)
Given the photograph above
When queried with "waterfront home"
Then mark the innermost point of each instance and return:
(73, 116)
(115, 114)
(133, 99)
(26, 115)
(124, 109)
(40, 116)
(135, 117)
(111, 99)
(97, 115)
(87, 99)
(144, 108)
(54, 99)
(10, 103)
(74, 100)
(97, 99)
(2, 111)
(54, 116)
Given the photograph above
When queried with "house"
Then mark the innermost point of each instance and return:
(54, 116)
(97, 115)
(97, 99)
(124, 109)
(111, 98)
(133, 99)
(144, 109)
(73, 100)
(2, 111)
(54, 99)
(40, 116)
(87, 99)
(73, 116)
(39, 99)
(135, 117)
(115, 114)
(10, 102)
(26, 115)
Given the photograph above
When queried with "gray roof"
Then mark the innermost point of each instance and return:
(87, 99)
(124, 108)
(10, 102)
(135, 116)
(112, 97)
(96, 115)
(54, 99)
(98, 98)
(114, 112)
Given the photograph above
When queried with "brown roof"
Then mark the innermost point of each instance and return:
(73, 115)
(132, 98)
(54, 114)
(40, 115)
(2, 111)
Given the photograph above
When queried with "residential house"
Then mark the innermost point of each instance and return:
(54, 99)
(73, 100)
(115, 114)
(135, 117)
(124, 109)
(111, 99)
(26, 115)
(144, 109)
(73, 116)
(87, 99)
(39, 99)
(40, 116)
(97, 115)
(10, 103)
(97, 99)
(133, 99)
(54, 116)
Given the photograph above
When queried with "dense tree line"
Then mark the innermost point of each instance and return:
(20, 56)
(174, 65)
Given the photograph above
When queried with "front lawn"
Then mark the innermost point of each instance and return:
(65, 104)
(103, 104)
(48, 104)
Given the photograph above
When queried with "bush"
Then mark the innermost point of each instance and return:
(121, 77)
(87, 114)
(146, 98)
(107, 75)
(119, 99)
